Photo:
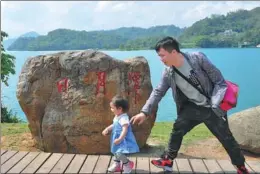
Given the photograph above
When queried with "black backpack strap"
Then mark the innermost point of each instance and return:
(190, 82)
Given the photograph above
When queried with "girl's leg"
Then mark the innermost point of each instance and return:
(115, 167)
(127, 165)
(121, 157)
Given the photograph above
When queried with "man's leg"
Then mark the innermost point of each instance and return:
(180, 128)
(220, 128)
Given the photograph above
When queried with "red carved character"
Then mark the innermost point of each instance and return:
(62, 85)
(135, 77)
(101, 82)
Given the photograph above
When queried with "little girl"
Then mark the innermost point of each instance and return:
(122, 139)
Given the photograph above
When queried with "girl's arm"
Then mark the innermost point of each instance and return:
(109, 128)
(122, 135)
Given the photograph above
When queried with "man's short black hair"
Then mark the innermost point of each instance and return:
(119, 101)
(168, 43)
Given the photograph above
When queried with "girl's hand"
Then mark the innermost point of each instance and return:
(105, 132)
(117, 141)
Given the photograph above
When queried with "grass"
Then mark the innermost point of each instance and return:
(161, 132)
(17, 136)
(14, 128)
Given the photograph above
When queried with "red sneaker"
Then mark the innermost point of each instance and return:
(163, 163)
(242, 170)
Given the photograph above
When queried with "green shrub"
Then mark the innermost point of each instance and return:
(7, 116)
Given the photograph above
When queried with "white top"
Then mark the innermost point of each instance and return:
(122, 119)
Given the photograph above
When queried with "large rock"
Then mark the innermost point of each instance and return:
(65, 97)
(245, 128)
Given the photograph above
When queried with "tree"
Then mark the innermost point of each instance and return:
(7, 62)
(7, 68)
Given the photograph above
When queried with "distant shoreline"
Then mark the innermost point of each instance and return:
(136, 49)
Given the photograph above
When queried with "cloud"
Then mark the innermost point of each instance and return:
(119, 7)
(40, 16)
(112, 6)
(207, 8)
(103, 5)
(19, 17)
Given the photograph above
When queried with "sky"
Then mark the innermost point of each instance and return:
(19, 17)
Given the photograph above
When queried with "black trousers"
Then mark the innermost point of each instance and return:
(190, 116)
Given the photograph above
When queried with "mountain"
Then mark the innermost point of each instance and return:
(65, 39)
(30, 34)
(229, 30)
(8, 42)
(137, 32)
(239, 28)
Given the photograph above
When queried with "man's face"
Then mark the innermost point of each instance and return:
(167, 58)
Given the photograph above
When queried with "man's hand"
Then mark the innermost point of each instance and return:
(117, 141)
(138, 119)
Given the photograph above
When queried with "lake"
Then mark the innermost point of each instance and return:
(239, 65)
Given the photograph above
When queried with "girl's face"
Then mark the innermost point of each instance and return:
(116, 111)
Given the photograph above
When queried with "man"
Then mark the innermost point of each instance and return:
(193, 107)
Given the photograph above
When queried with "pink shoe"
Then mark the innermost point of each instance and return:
(115, 167)
(127, 168)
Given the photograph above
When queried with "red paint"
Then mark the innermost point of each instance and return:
(101, 82)
(135, 77)
(63, 85)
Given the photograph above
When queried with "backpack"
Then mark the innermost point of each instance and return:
(230, 98)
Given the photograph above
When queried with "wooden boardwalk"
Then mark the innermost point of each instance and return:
(41, 162)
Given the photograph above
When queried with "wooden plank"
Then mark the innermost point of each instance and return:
(7, 156)
(76, 163)
(213, 166)
(142, 165)
(226, 166)
(198, 166)
(133, 158)
(23, 163)
(154, 169)
(12, 161)
(255, 165)
(183, 165)
(102, 164)
(249, 168)
(62, 164)
(175, 167)
(50, 163)
(36, 163)
(3, 151)
(89, 164)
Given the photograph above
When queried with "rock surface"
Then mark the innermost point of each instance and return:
(65, 97)
(245, 126)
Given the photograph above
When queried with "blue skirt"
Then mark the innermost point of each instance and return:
(127, 145)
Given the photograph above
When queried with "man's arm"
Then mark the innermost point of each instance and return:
(217, 79)
(157, 94)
